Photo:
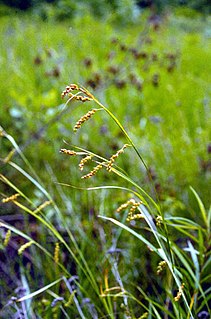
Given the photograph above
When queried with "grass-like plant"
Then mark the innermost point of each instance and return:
(179, 288)
(185, 267)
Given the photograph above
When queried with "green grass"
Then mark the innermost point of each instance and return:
(168, 121)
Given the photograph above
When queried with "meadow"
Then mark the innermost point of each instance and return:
(69, 248)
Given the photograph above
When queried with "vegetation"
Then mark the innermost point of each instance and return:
(131, 239)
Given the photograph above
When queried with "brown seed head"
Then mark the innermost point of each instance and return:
(83, 119)
(68, 89)
(93, 172)
(114, 157)
(68, 152)
(84, 161)
(131, 215)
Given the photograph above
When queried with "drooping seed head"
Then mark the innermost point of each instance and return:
(114, 157)
(84, 161)
(83, 119)
(10, 199)
(68, 152)
(24, 247)
(93, 172)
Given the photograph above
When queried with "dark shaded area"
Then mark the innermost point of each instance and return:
(158, 5)
(23, 5)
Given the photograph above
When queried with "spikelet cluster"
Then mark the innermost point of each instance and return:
(84, 118)
(131, 216)
(56, 253)
(68, 89)
(25, 246)
(93, 172)
(68, 152)
(179, 293)
(125, 205)
(159, 221)
(133, 206)
(42, 206)
(161, 266)
(75, 87)
(80, 97)
(10, 199)
(84, 161)
(114, 157)
(7, 238)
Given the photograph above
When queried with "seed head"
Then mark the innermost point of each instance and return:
(83, 119)
(68, 152)
(133, 206)
(134, 217)
(25, 246)
(93, 172)
(80, 97)
(159, 221)
(114, 157)
(42, 206)
(161, 266)
(69, 88)
(125, 205)
(179, 293)
(7, 238)
(10, 199)
(56, 253)
(84, 161)
(131, 216)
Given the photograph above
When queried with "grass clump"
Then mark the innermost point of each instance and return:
(176, 284)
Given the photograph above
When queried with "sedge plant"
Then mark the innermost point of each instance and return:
(185, 275)
(182, 273)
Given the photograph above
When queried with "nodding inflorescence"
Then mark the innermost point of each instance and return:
(25, 246)
(74, 87)
(114, 157)
(10, 199)
(87, 96)
(93, 172)
(84, 161)
(68, 89)
(68, 152)
(179, 293)
(133, 206)
(84, 118)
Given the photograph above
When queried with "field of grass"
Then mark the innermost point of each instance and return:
(156, 82)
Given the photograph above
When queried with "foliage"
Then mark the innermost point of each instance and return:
(124, 11)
